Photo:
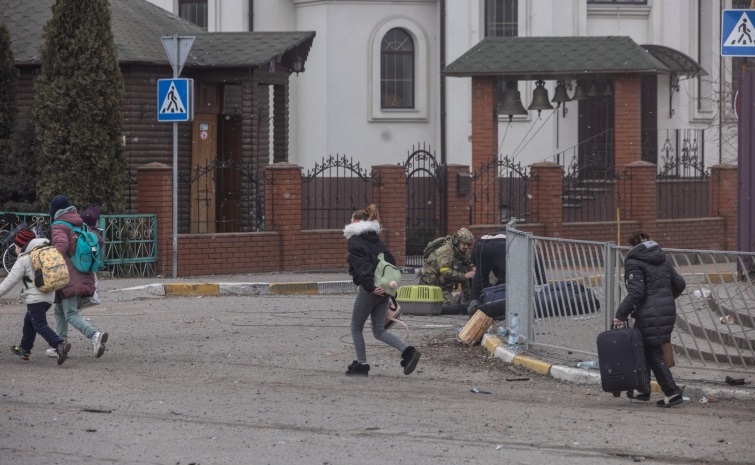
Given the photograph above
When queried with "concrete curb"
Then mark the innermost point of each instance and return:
(236, 289)
(581, 376)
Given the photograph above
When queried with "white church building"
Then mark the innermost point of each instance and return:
(373, 86)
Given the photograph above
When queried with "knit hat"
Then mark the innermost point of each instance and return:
(59, 202)
(91, 215)
(23, 237)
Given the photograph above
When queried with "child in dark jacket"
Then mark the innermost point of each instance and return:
(37, 302)
(364, 246)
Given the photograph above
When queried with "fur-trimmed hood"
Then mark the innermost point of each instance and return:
(359, 228)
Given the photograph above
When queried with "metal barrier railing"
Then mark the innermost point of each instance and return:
(715, 326)
(130, 240)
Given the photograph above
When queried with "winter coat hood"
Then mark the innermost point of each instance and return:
(648, 252)
(361, 228)
(34, 243)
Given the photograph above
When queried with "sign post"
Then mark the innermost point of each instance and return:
(738, 40)
(175, 105)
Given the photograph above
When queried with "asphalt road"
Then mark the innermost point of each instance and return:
(259, 380)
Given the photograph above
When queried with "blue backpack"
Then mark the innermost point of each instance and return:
(86, 258)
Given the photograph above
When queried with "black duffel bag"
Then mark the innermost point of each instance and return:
(564, 298)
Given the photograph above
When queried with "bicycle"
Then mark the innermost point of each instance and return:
(7, 244)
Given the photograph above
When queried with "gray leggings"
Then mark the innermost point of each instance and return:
(366, 305)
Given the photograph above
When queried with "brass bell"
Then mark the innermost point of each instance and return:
(608, 89)
(579, 92)
(540, 98)
(592, 91)
(560, 95)
(512, 103)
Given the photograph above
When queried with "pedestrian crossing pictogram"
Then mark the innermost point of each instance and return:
(738, 33)
(172, 102)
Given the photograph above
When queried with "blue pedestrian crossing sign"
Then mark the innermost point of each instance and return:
(738, 33)
(175, 100)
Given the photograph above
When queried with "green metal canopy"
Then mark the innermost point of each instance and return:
(531, 58)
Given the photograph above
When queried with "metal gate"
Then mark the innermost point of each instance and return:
(425, 202)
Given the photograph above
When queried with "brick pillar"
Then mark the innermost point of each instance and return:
(723, 201)
(155, 197)
(638, 197)
(389, 195)
(627, 121)
(484, 120)
(458, 205)
(283, 211)
(547, 185)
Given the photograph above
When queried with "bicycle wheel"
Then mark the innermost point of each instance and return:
(9, 258)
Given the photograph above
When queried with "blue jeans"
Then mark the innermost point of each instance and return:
(375, 307)
(66, 311)
(35, 322)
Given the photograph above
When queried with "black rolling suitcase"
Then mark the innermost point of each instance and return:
(621, 356)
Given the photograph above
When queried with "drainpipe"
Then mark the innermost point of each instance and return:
(251, 15)
(442, 82)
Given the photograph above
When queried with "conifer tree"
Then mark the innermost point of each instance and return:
(77, 108)
(8, 80)
(17, 168)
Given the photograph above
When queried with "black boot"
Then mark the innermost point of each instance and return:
(357, 369)
(409, 358)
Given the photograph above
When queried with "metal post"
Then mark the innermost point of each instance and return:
(175, 169)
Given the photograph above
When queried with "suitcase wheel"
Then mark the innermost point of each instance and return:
(616, 394)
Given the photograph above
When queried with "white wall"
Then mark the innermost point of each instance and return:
(332, 102)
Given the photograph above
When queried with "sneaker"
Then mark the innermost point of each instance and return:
(98, 343)
(667, 402)
(22, 354)
(409, 358)
(358, 369)
(638, 395)
(52, 352)
(62, 351)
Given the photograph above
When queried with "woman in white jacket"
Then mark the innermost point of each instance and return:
(37, 302)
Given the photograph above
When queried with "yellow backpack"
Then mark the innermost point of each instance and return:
(50, 269)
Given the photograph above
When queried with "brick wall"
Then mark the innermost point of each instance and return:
(627, 117)
(484, 120)
(724, 202)
(286, 247)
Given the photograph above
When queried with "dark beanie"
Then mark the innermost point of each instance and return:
(23, 237)
(59, 202)
(91, 215)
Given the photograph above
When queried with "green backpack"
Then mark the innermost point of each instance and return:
(86, 258)
(387, 276)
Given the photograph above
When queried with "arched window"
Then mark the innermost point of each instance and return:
(397, 70)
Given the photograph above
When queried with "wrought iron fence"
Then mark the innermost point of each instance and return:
(224, 197)
(130, 241)
(130, 244)
(589, 179)
(683, 180)
(332, 191)
(499, 193)
(425, 201)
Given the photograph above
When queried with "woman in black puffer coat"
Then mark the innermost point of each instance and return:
(652, 286)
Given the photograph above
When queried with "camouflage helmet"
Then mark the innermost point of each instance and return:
(463, 236)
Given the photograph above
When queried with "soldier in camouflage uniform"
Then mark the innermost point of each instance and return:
(450, 264)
